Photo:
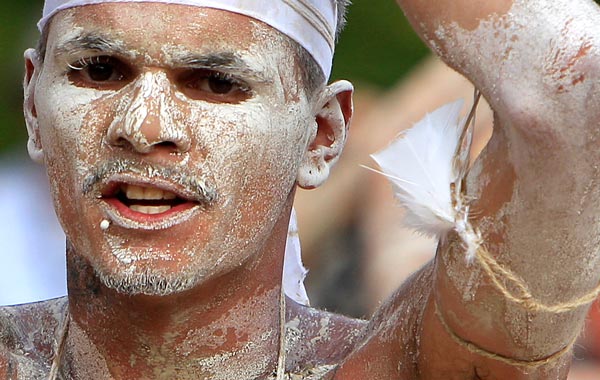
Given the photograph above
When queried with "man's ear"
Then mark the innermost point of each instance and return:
(32, 69)
(332, 118)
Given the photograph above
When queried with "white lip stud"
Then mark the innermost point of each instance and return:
(104, 224)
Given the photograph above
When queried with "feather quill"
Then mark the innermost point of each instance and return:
(427, 165)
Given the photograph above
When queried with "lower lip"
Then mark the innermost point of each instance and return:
(146, 221)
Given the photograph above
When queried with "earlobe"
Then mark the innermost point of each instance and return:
(32, 68)
(332, 118)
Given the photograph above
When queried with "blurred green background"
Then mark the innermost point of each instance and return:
(376, 49)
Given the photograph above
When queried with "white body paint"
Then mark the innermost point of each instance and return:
(543, 85)
(215, 140)
(311, 23)
(157, 121)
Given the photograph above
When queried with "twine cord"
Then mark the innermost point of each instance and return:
(281, 356)
(60, 347)
(501, 358)
(500, 277)
(523, 296)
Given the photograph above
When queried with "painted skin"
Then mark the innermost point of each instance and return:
(231, 310)
(153, 124)
(192, 109)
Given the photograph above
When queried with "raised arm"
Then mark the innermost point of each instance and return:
(535, 186)
(536, 201)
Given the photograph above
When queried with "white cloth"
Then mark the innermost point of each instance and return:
(293, 269)
(311, 23)
(32, 259)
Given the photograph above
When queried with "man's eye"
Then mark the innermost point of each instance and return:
(215, 86)
(218, 85)
(102, 72)
(98, 72)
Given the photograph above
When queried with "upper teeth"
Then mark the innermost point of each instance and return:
(139, 192)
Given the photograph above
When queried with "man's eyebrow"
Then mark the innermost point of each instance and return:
(91, 42)
(227, 62)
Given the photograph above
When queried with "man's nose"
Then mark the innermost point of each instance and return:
(146, 118)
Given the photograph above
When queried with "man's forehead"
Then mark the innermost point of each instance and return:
(158, 24)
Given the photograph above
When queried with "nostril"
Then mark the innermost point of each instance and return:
(121, 141)
(146, 147)
(167, 145)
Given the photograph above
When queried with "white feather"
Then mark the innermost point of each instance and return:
(421, 163)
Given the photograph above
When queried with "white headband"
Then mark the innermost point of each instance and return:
(311, 23)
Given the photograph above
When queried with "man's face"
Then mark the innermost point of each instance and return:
(181, 126)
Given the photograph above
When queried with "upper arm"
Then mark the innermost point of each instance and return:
(534, 189)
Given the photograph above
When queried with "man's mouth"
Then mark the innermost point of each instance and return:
(146, 206)
(147, 200)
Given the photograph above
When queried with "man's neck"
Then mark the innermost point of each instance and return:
(226, 328)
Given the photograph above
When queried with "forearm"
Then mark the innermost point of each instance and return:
(536, 185)
(543, 244)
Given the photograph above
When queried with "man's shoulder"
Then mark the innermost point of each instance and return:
(28, 337)
(319, 339)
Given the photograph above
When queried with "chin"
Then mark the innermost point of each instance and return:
(154, 272)
(146, 282)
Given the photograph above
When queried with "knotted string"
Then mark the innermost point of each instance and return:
(500, 277)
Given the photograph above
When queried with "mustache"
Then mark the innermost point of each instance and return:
(197, 187)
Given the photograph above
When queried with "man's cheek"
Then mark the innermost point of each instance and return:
(64, 106)
(63, 195)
